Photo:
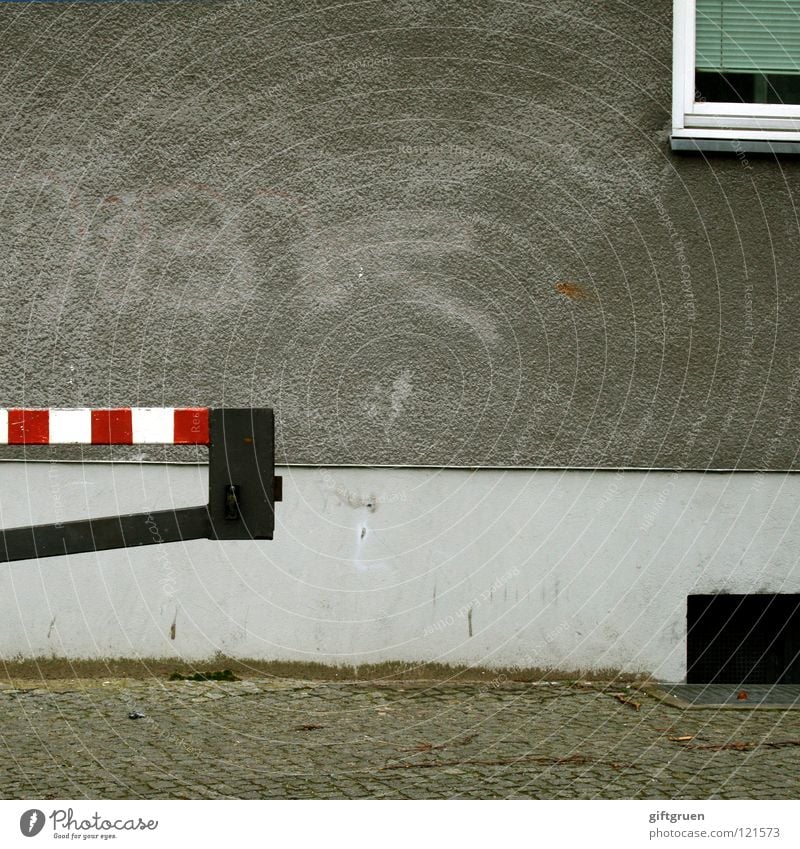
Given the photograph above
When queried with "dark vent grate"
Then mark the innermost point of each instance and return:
(743, 639)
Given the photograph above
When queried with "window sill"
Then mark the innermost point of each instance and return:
(735, 145)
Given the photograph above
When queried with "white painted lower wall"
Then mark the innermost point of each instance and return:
(575, 569)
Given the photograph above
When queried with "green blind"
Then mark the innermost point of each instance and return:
(748, 35)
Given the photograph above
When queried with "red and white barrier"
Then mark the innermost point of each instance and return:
(122, 426)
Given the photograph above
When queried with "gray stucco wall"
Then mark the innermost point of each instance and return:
(425, 232)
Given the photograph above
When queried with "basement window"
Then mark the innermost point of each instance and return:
(743, 639)
(736, 75)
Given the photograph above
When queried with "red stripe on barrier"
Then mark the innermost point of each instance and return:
(112, 427)
(191, 426)
(28, 427)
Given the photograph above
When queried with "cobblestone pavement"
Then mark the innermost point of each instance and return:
(291, 739)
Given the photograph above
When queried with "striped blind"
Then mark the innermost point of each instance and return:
(748, 36)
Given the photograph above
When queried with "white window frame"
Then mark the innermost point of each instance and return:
(703, 120)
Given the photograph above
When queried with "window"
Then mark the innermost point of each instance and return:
(736, 75)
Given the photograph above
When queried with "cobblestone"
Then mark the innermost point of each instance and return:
(299, 739)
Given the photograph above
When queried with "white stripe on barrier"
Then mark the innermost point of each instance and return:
(3, 427)
(71, 426)
(153, 424)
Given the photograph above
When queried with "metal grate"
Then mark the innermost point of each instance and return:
(743, 639)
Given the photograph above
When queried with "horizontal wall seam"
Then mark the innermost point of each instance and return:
(421, 467)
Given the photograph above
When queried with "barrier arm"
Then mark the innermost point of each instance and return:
(242, 484)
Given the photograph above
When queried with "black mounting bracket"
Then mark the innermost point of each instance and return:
(242, 491)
